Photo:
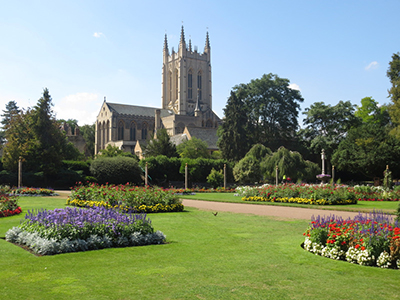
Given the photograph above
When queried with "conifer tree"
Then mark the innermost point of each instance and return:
(234, 134)
(160, 145)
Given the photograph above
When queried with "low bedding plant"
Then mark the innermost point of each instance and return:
(8, 203)
(30, 191)
(370, 239)
(299, 193)
(127, 197)
(48, 232)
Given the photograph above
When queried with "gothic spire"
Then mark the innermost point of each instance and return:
(207, 46)
(165, 44)
(182, 42)
(190, 45)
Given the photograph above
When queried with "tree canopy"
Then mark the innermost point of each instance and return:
(193, 148)
(161, 145)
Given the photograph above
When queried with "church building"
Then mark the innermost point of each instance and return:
(186, 109)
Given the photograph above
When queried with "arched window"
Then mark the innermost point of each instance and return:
(190, 85)
(103, 136)
(108, 132)
(132, 135)
(209, 123)
(176, 84)
(199, 85)
(121, 130)
(144, 131)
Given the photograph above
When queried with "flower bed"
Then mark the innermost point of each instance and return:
(145, 199)
(48, 232)
(299, 193)
(371, 240)
(8, 205)
(26, 191)
(142, 208)
(298, 200)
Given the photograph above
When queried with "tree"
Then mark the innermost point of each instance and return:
(88, 133)
(114, 151)
(394, 93)
(234, 138)
(272, 109)
(247, 170)
(371, 112)
(12, 110)
(161, 145)
(193, 148)
(367, 149)
(48, 147)
(326, 126)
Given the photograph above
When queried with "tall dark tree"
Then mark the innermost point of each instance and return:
(160, 145)
(11, 110)
(272, 109)
(327, 126)
(88, 133)
(50, 142)
(234, 134)
(367, 149)
(394, 93)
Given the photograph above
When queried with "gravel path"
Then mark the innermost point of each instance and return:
(282, 212)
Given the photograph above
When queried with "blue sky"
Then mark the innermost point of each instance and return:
(85, 50)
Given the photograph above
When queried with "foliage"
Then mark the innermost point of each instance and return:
(247, 170)
(56, 231)
(215, 178)
(394, 92)
(193, 148)
(9, 113)
(272, 109)
(259, 152)
(371, 112)
(200, 168)
(160, 145)
(368, 149)
(234, 139)
(116, 170)
(30, 191)
(162, 169)
(326, 126)
(114, 151)
(127, 196)
(290, 164)
(371, 240)
(88, 132)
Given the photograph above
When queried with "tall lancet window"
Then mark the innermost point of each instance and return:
(190, 85)
(176, 84)
(170, 86)
(133, 132)
(121, 130)
(199, 85)
(144, 131)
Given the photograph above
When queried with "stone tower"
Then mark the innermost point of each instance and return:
(186, 78)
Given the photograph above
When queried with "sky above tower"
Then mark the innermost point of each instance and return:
(83, 51)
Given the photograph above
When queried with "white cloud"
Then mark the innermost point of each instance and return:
(98, 34)
(373, 65)
(83, 107)
(294, 86)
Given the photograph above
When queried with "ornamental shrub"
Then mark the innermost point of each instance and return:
(116, 170)
(216, 178)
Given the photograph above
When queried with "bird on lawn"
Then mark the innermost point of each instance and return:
(215, 213)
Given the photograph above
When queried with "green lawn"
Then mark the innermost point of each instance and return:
(228, 256)
(362, 206)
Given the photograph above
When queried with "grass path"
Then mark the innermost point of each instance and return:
(228, 256)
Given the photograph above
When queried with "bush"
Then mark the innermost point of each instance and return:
(116, 170)
(247, 170)
(216, 178)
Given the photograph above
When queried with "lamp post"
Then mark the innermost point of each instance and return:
(323, 161)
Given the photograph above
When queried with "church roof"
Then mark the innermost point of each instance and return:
(208, 135)
(126, 109)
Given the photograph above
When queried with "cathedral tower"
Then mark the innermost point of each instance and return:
(186, 78)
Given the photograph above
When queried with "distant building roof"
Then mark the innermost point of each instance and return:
(126, 109)
(208, 135)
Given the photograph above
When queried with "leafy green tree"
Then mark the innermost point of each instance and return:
(367, 149)
(193, 148)
(394, 93)
(19, 137)
(215, 178)
(247, 170)
(88, 133)
(272, 109)
(161, 145)
(234, 138)
(327, 126)
(291, 164)
(371, 112)
(114, 151)
(259, 151)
